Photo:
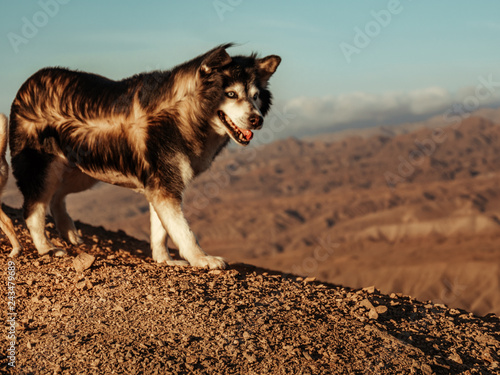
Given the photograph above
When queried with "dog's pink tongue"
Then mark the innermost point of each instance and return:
(247, 133)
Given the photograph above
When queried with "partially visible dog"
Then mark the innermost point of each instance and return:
(5, 222)
(153, 132)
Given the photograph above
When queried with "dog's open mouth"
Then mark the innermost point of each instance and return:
(240, 136)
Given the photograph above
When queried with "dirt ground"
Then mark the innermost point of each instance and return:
(125, 314)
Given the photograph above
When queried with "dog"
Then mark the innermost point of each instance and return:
(5, 222)
(153, 132)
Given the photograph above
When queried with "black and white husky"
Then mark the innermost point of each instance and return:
(153, 132)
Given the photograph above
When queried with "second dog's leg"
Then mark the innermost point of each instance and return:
(8, 228)
(170, 213)
(159, 238)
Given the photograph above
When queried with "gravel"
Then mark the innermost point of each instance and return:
(107, 308)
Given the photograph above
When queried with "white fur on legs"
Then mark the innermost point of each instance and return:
(35, 221)
(159, 241)
(169, 211)
(64, 224)
(36, 225)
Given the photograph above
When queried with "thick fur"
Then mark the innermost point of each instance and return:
(5, 222)
(153, 132)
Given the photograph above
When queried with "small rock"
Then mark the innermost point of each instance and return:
(381, 309)
(250, 357)
(372, 314)
(369, 289)
(215, 272)
(82, 284)
(426, 369)
(367, 304)
(299, 278)
(83, 261)
(456, 358)
(306, 355)
(309, 280)
(35, 299)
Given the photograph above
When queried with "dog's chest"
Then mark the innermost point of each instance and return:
(213, 146)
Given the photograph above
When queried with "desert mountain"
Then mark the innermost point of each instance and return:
(409, 211)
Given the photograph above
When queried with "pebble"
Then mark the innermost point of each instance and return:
(83, 261)
(381, 309)
(369, 289)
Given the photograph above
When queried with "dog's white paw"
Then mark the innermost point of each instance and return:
(164, 257)
(181, 263)
(16, 251)
(208, 261)
(74, 238)
(55, 251)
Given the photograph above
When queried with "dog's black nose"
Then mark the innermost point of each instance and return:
(256, 120)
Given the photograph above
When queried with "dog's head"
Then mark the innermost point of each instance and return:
(243, 97)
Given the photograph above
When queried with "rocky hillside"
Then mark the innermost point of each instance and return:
(107, 308)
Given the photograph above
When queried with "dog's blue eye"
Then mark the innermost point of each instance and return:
(231, 94)
(255, 96)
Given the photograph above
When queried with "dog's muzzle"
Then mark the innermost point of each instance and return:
(256, 121)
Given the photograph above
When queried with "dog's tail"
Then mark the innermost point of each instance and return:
(4, 134)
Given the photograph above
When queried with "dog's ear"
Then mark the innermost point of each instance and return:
(266, 67)
(215, 59)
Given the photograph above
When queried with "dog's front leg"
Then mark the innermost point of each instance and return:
(159, 238)
(169, 212)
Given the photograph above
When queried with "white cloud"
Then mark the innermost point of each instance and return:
(361, 109)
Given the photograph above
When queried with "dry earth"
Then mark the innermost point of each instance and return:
(125, 314)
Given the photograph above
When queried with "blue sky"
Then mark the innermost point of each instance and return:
(414, 59)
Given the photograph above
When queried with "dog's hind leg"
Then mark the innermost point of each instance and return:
(169, 212)
(36, 202)
(159, 238)
(73, 181)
